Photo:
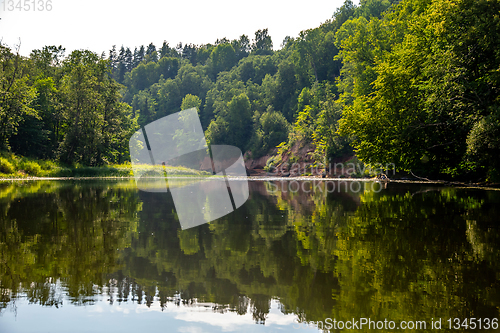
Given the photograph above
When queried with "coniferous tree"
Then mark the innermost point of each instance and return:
(189, 51)
(151, 53)
(113, 58)
(139, 56)
(165, 50)
(151, 48)
(128, 60)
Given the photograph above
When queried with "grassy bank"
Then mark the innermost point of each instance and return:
(13, 166)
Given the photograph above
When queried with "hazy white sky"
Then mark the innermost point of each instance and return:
(97, 25)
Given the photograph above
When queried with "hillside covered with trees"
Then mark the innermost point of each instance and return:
(413, 82)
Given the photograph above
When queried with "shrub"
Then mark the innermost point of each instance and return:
(293, 158)
(31, 168)
(47, 165)
(271, 163)
(6, 167)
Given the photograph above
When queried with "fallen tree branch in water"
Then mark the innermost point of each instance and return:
(429, 180)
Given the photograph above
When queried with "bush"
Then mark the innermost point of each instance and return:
(271, 163)
(6, 167)
(47, 165)
(270, 129)
(31, 168)
(293, 158)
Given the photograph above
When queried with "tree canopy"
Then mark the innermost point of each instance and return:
(413, 82)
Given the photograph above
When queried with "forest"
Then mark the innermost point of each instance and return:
(415, 83)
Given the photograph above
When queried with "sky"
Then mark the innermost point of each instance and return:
(97, 25)
(102, 317)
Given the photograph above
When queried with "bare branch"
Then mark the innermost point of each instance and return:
(441, 145)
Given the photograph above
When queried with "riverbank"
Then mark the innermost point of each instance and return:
(495, 187)
(14, 168)
(17, 167)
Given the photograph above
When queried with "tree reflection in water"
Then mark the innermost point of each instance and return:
(407, 251)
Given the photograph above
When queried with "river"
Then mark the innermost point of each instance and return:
(101, 256)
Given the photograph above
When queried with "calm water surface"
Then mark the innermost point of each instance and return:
(100, 256)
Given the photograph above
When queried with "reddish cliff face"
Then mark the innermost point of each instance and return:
(288, 163)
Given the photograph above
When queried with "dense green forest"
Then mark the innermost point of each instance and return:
(411, 82)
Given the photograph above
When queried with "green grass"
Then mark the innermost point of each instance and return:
(12, 166)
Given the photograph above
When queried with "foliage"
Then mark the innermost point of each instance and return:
(272, 162)
(270, 129)
(232, 125)
(95, 117)
(191, 101)
(425, 89)
(146, 74)
(263, 42)
(411, 82)
(16, 94)
(222, 58)
(32, 168)
(5, 166)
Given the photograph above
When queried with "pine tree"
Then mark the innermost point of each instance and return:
(165, 50)
(129, 61)
(151, 54)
